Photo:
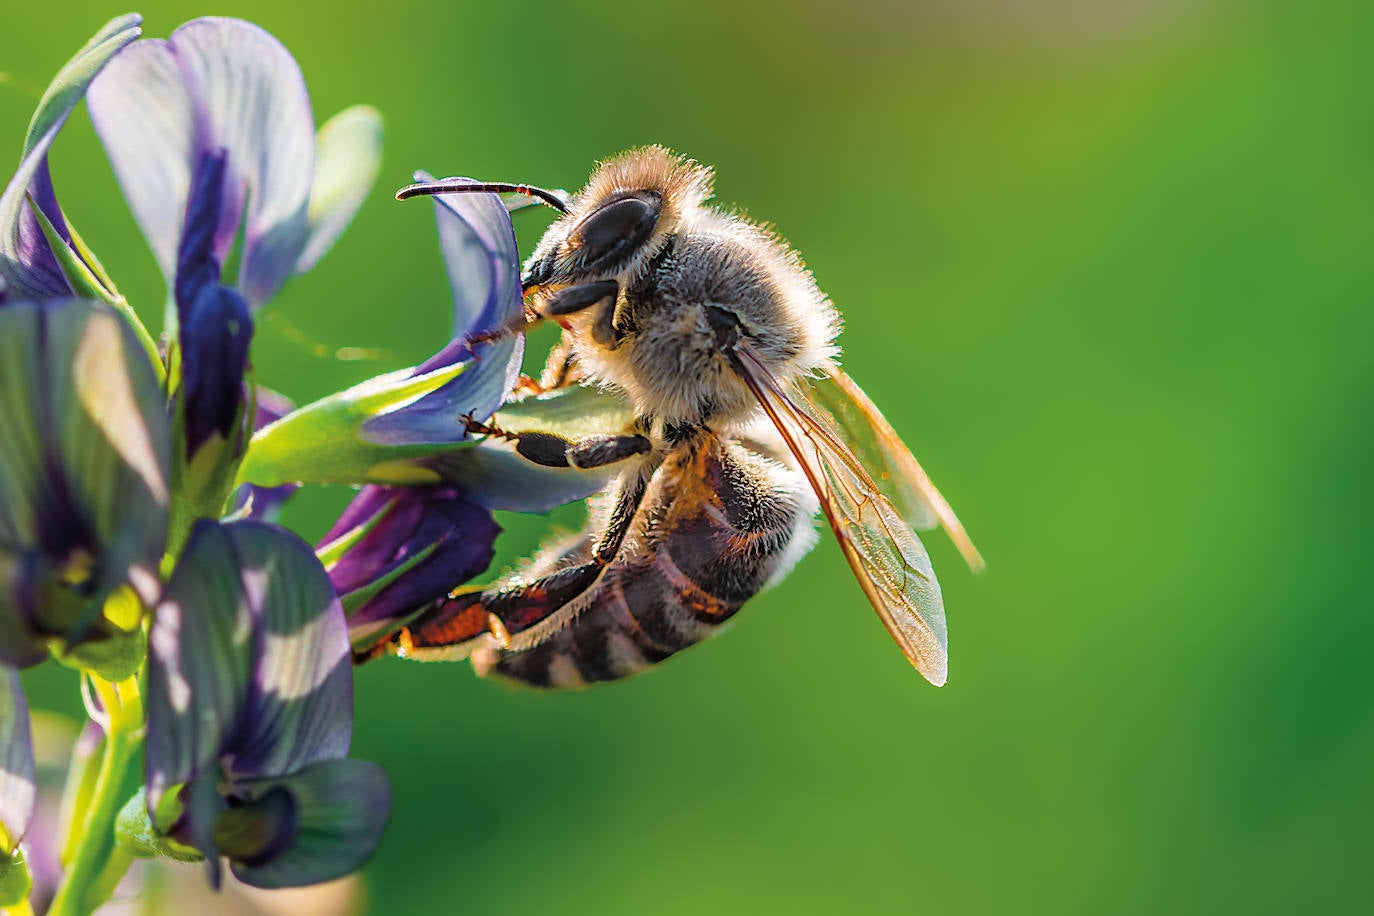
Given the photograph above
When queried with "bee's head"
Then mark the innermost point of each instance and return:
(615, 225)
(621, 219)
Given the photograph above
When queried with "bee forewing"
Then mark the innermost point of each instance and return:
(889, 461)
(886, 555)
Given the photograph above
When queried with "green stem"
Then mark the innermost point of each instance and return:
(88, 879)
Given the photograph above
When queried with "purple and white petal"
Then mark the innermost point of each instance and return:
(143, 115)
(338, 810)
(477, 240)
(483, 264)
(215, 83)
(200, 653)
(27, 266)
(18, 789)
(84, 461)
(251, 99)
(348, 157)
(301, 701)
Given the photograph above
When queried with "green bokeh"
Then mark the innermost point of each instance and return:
(1106, 266)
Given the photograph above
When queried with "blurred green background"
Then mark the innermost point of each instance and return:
(1106, 267)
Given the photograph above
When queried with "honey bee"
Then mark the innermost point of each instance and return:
(716, 334)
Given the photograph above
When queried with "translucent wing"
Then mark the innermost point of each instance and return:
(888, 460)
(885, 554)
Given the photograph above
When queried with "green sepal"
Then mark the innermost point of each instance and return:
(112, 655)
(323, 442)
(84, 283)
(15, 882)
(90, 281)
(202, 485)
(136, 833)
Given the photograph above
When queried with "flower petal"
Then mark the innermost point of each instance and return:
(323, 442)
(26, 262)
(215, 82)
(83, 462)
(215, 326)
(493, 475)
(478, 244)
(18, 790)
(302, 702)
(348, 156)
(199, 663)
(477, 240)
(417, 544)
(249, 660)
(142, 113)
(253, 100)
(341, 808)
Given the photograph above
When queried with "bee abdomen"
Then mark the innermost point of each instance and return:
(682, 586)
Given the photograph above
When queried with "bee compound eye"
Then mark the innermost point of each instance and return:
(616, 230)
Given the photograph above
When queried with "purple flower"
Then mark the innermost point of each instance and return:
(374, 429)
(226, 84)
(397, 550)
(41, 257)
(84, 495)
(250, 708)
(212, 138)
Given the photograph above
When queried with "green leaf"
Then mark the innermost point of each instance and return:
(321, 442)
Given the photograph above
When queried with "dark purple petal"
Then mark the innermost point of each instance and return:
(478, 244)
(431, 539)
(43, 278)
(335, 816)
(18, 790)
(216, 327)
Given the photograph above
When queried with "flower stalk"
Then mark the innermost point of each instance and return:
(96, 864)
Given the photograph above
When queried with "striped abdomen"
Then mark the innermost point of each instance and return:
(719, 522)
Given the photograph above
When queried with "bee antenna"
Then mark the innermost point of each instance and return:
(431, 188)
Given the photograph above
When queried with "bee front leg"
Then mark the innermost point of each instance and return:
(551, 450)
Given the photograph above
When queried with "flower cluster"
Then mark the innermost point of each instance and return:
(141, 475)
